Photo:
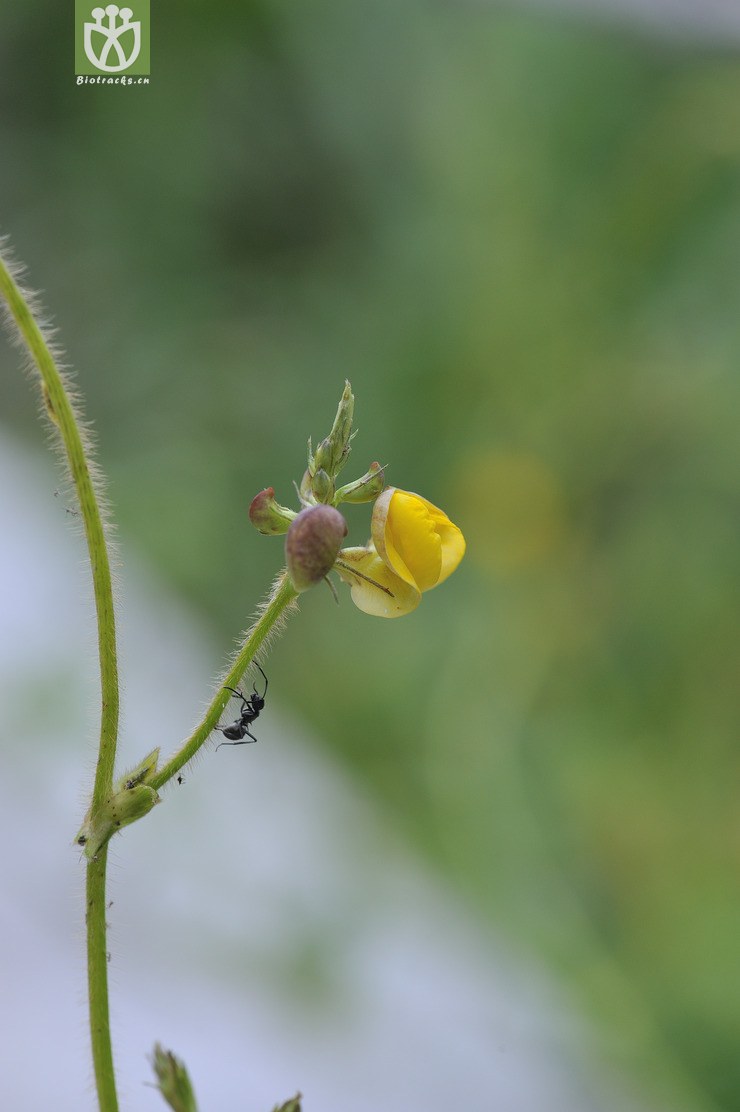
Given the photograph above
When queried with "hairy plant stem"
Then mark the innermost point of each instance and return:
(61, 412)
(269, 620)
(97, 979)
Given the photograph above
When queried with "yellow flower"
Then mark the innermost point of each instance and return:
(414, 547)
(415, 539)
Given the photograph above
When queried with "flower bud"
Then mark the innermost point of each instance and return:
(322, 486)
(312, 544)
(333, 450)
(268, 516)
(365, 489)
(324, 456)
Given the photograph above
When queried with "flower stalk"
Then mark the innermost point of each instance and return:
(268, 623)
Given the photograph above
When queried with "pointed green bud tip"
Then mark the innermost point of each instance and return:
(312, 544)
(268, 516)
(332, 452)
(173, 1081)
(323, 460)
(365, 489)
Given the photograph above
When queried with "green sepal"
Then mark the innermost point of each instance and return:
(365, 489)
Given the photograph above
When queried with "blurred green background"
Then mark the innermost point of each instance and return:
(518, 236)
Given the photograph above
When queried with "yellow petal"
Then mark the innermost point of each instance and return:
(452, 540)
(412, 541)
(378, 523)
(415, 538)
(375, 587)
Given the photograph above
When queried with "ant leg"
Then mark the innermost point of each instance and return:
(242, 742)
(235, 691)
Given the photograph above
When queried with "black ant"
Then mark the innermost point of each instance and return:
(251, 708)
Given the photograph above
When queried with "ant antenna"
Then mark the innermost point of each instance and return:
(264, 677)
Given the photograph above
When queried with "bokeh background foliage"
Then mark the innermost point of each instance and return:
(518, 235)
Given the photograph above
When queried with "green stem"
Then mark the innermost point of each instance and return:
(282, 596)
(97, 979)
(61, 412)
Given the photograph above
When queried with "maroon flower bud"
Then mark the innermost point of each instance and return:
(268, 516)
(311, 546)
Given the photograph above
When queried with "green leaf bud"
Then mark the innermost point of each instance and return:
(292, 1105)
(132, 798)
(173, 1081)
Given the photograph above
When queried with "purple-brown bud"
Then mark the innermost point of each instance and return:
(312, 544)
(267, 516)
